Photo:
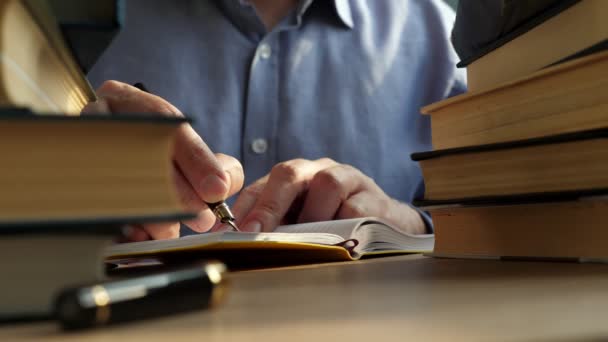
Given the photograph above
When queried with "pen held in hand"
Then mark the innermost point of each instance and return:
(219, 209)
(223, 213)
(183, 290)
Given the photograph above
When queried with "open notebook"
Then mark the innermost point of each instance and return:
(338, 240)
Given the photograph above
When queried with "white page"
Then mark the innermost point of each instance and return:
(206, 238)
(343, 228)
(327, 233)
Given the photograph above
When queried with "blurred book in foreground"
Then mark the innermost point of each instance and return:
(102, 168)
(38, 261)
(37, 70)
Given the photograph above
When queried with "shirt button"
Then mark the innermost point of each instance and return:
(265, 51)
(259, 146)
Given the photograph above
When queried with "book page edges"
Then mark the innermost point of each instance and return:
(471, 96)
(517, 258)
(43, 15)
(395, 252)
(69, 83)
(574, 29)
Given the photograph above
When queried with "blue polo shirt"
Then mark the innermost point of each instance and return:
(343, 79)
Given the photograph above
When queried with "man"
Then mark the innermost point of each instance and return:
(316, 98)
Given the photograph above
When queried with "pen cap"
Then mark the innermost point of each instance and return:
(186, 289)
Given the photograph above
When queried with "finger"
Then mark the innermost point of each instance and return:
(162, 231)
(247, 198)
(292, 214)
(136, 233)
(206, 219)
(139, 234)
(220, 227)
(198, 164)
(328, 189)
(286, 181)
(234, 169)
(201, 168)
(363, 204)
(124, 98)
(190, 199)
(97, 107)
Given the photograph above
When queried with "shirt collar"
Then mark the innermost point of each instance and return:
(243, 14)
(344, 12)
(341, 8)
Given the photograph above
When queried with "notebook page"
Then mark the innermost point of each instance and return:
(372, 234)
(159, 245)
(205, 238)
(343, 228)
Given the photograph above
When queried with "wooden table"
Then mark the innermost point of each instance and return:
(391, 299)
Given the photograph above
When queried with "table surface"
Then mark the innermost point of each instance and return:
(394, 298)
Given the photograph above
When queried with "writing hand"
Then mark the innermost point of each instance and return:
(200, 175)
(301, 190)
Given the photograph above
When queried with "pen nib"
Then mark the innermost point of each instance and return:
(233, 225)
(223, 213)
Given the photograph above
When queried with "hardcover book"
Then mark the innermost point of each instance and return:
(565, 162)
(82, 168)
(554, 226)
(568, 97)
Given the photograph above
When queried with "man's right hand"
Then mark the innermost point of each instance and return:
(200, 175)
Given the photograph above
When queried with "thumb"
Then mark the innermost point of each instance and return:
(97, 107)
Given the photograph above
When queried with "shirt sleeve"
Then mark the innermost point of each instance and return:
(426, 218)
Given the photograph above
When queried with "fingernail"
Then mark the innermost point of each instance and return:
(253, 227)
(214, 188)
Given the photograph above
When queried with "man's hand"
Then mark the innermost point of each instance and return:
(200, 176)
(301, 190)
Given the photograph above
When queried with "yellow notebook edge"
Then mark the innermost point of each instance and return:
(332, 252)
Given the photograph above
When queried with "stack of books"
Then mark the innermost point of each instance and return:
(69, 183)
(519, 166)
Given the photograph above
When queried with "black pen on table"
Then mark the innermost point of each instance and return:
(221, 210)
(178, 291)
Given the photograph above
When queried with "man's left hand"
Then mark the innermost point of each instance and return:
(299, 191)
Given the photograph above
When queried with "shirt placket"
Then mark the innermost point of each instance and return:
(261, 117)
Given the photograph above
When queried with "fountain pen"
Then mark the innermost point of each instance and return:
(173, 291)
(219, 209)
